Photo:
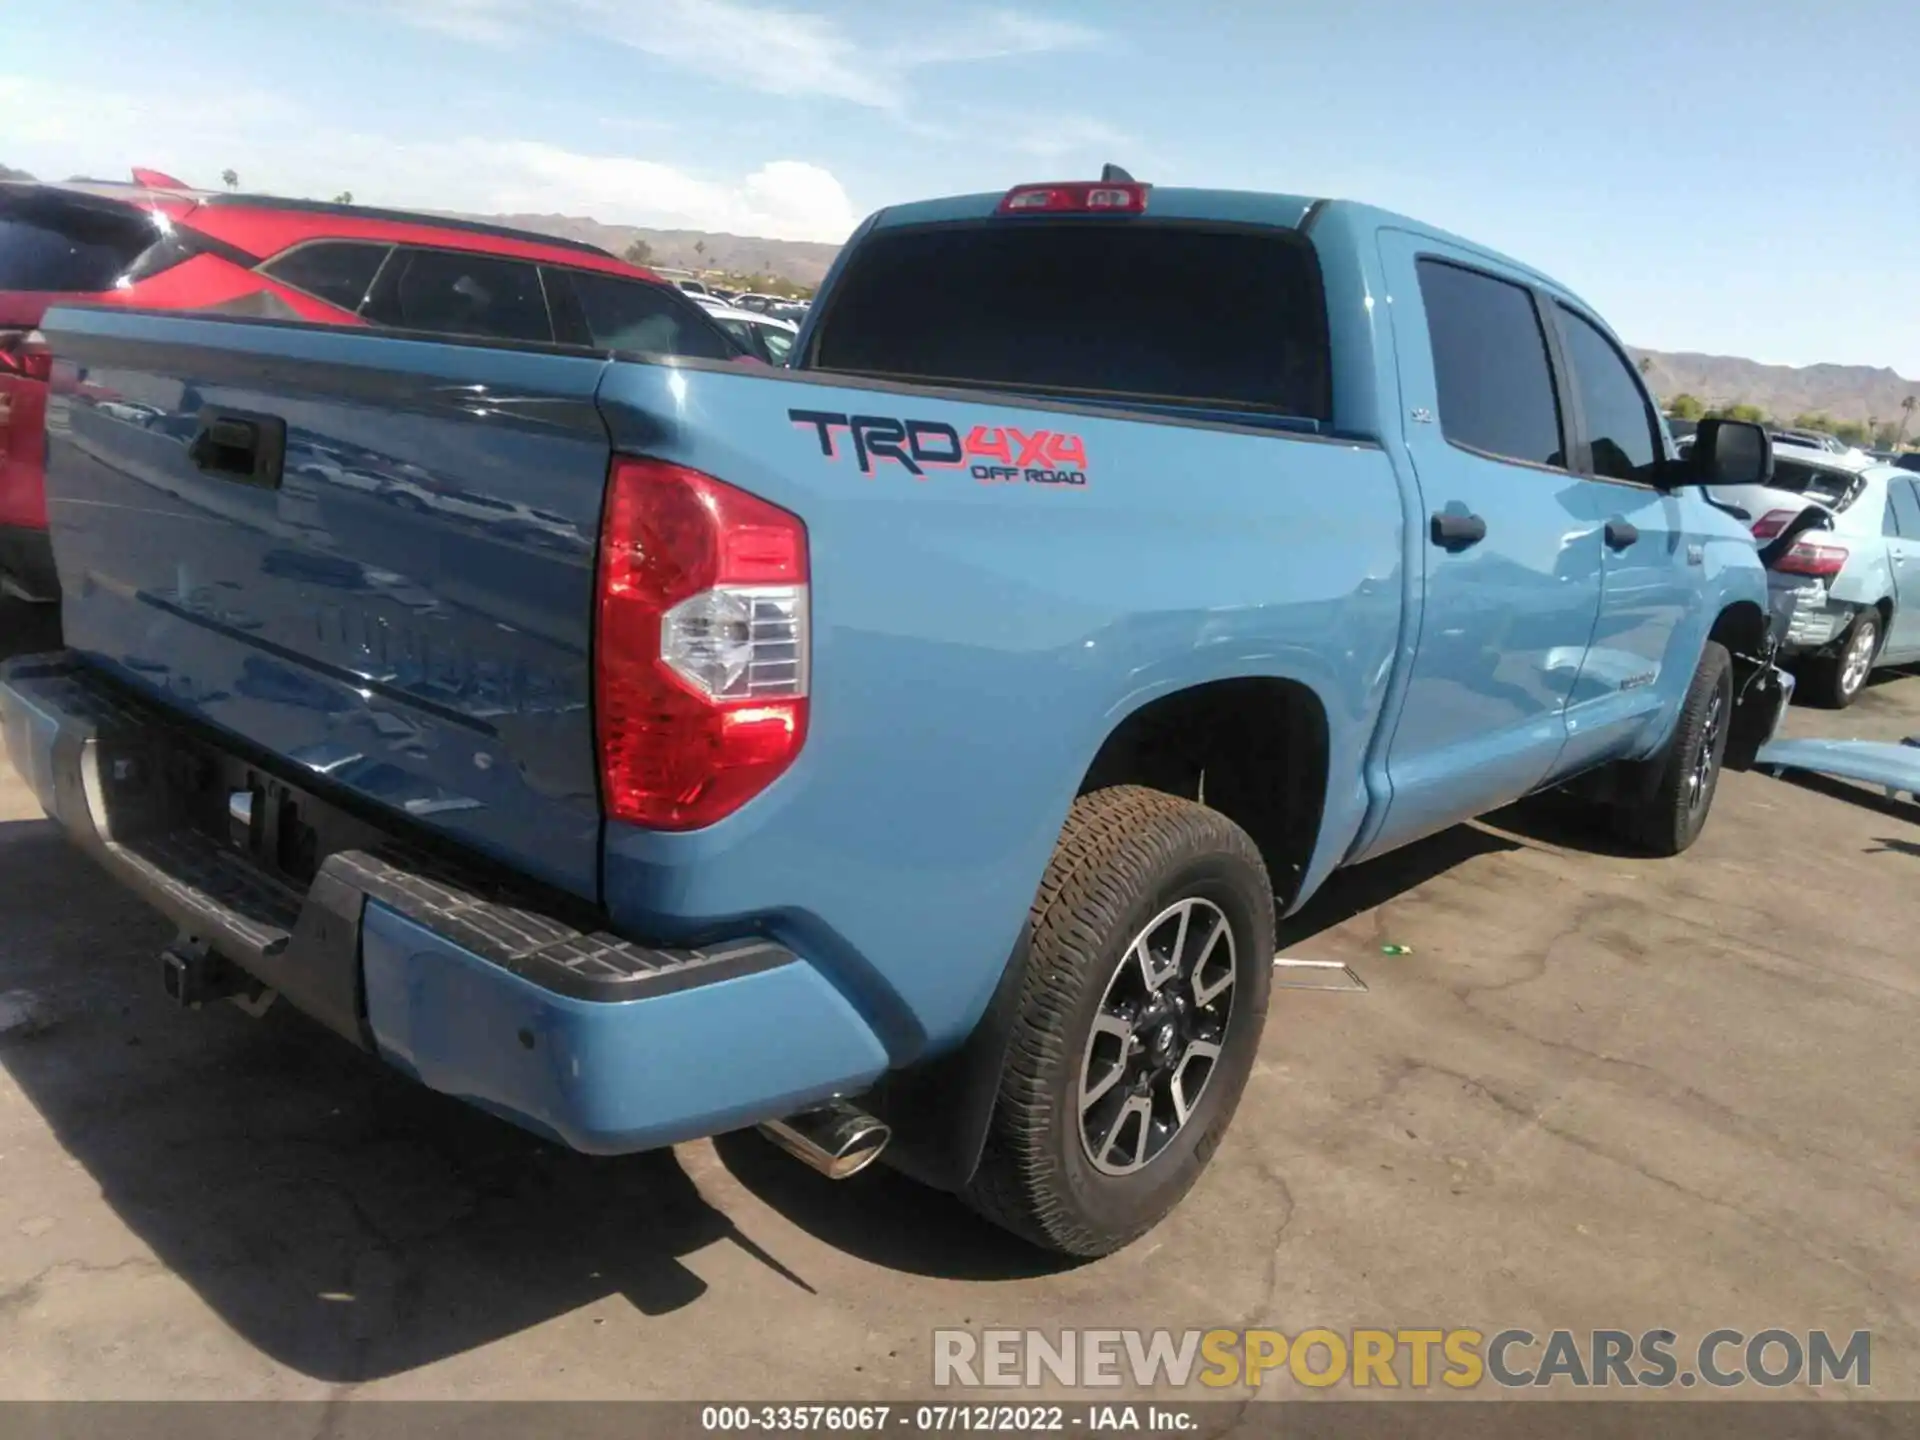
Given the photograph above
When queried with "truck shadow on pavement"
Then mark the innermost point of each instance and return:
(345, 1221)
(1361, 888)
(884, 1218)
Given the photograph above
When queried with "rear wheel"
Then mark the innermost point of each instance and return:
(1145, 993)
(1678, 789)
(1836, 681)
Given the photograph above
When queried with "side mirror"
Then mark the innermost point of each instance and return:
(1728, 452)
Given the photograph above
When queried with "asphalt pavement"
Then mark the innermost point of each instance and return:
(1599, 1091)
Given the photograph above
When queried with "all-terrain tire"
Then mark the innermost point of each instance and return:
(1672, 803)
(1125, 856)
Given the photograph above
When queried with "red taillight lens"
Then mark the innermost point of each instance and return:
(1772, 523)
(25, 353)
(1076, 197)
(702, 654)
(1809, 559)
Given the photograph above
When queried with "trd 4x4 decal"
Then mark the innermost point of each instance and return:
(995, 455)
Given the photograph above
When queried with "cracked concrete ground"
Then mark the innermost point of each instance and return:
(1600, 1092)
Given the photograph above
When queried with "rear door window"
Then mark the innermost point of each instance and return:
(454, 292)
(1906, 507)
(338, 271)
(50, 241)
(1216, 319)
(622, 314)
(1490, 368)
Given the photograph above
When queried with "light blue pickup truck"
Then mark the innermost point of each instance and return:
(909, 749)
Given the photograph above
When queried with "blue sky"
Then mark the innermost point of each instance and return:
(1740, 178)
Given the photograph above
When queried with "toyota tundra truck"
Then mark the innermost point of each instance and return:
(911, 750)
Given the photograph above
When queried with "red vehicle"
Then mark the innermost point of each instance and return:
(157, 244)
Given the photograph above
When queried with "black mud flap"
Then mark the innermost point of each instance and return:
(939, 1109)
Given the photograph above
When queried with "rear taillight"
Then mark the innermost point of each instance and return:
(1810, 559)
(1076, 197)
(1772, 523)
(702, 651)
(25, 353)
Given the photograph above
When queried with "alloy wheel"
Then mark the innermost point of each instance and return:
(1700, 780)
(1157, 1036)
(1859, 658)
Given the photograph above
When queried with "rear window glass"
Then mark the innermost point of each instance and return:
(51, 242)
(1216, 319)
(1833, 488)
(651, 319)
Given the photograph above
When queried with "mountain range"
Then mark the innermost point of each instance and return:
(1845, 392)
(804, 262)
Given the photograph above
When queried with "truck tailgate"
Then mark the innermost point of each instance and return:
(402, 604)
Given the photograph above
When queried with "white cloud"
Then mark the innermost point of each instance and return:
(764, 47)
(279, 149)
(784, 199)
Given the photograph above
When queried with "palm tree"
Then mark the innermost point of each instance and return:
(1906, 414)
(230, 179)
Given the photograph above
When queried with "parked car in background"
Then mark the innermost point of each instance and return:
(1812, 439)
(776, 305)
(1852, 592)
(1802, 475)
(153, 246)
(1820, 440)
(762, 335)
(1909, 461)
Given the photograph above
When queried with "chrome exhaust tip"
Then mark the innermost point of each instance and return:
(835, 1139)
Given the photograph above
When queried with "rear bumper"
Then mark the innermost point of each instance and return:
(592, 1040)
(1812, 619)
(26, 564)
